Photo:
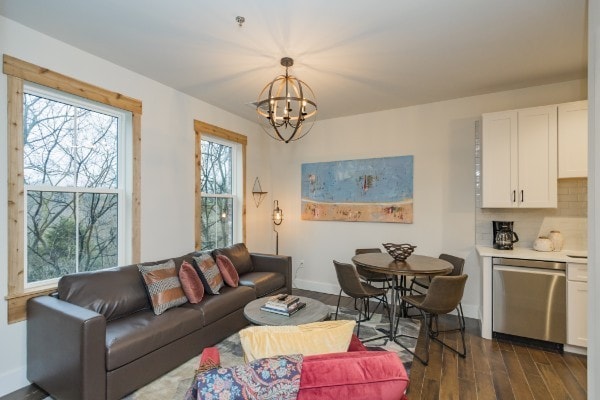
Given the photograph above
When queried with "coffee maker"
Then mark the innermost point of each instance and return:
(504, 236)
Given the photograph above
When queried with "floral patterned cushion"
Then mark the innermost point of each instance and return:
(276, 378)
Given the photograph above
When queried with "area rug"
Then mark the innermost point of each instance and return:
(174, 384)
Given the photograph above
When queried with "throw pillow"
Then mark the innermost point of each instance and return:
(163, 286)
(209, 273)
(191, 283)
(276, 378)
(228, 271)
(315, 338)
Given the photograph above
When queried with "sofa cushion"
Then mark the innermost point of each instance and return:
(191, 283)
(353, 376)
(114, 292)
(314, 338)
(228, 271)
(209, 273)
(239, 256)
(134, 336)
(163, 285)
(263, 282)
(230, 299)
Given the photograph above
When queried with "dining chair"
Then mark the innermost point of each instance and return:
(371, 277)
(443, 296)
(352, 286)
(419, 284)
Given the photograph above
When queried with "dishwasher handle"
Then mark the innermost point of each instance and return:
(524, 270)
(520, 262)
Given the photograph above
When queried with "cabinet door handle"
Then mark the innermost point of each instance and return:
(514, 196)
(522, 197)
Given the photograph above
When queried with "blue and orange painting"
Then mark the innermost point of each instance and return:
(368, 190)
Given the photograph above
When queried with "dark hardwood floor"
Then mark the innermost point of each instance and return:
(493, 369)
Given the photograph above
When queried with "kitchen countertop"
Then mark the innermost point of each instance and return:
(530, 254)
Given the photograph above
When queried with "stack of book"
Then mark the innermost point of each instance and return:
(283, 304)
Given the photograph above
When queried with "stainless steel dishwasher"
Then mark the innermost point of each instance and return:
(529, 299)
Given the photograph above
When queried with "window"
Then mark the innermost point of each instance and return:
(74, 154)
(73, 180)
(220, 175)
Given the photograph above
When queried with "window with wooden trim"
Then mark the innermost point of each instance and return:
(74, 170)
(220, 187)
(74, 180)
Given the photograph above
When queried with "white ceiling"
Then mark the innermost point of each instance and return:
(358, 56)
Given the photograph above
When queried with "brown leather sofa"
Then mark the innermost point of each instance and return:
(98, 338)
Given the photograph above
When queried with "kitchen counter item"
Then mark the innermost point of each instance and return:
(543, 244)
(557, 240)
(504, 236)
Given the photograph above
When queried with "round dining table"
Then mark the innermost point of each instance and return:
(415, 265)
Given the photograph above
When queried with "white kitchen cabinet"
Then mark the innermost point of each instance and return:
(519, 158)
(572, 139)
(577, 300)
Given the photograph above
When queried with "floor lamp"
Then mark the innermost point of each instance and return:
(277, 220)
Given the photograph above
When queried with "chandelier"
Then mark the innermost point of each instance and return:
(286, 106)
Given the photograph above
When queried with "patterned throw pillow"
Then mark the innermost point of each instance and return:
(191, 283)
(276, 378)
(163, 286)
(228, 271)
(209, 273)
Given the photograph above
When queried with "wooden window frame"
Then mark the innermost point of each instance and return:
(217, 132)
(17, 72)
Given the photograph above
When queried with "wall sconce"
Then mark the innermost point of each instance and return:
(277, 220)
(257, 192)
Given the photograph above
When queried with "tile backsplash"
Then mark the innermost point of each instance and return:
(570, 217)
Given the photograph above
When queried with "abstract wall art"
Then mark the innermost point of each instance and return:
(368, 190)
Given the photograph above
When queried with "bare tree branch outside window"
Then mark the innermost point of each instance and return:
(217, 194)
(70, 160)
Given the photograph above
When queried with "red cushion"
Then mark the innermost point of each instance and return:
(191, 283)
(354, 375)
(356, 344)
(209, 356)
(228, 271)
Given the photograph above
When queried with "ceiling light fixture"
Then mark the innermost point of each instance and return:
(286, 106)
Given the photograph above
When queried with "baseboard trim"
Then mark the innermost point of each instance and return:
(317, 286)
(13, 380)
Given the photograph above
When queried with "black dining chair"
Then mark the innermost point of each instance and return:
(443, 296)
(352, 286)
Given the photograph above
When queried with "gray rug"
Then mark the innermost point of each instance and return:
(174, 384)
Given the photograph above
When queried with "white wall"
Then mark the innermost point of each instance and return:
(441, 138)
(167, 165)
